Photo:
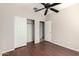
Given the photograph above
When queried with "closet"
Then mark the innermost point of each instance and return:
(30, 30)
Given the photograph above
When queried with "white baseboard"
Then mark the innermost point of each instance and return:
(29, 41)
(64, 46)
(6, 51)
(48, 41)
(36, 42)
(0, 54)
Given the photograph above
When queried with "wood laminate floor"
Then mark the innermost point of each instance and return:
(42, 49)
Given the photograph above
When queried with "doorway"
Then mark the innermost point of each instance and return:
(30, 31)
(42, 31)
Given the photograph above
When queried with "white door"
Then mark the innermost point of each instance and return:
(20, 31)
(37, 30)
(48, 31)
(41, 31)
(41, 34)
(29, 33)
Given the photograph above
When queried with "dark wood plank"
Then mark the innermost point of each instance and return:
(42, 49)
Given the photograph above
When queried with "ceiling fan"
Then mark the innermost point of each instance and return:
(48, 6)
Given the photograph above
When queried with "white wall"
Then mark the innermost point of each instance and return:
(0, 34)
(0, 30)
(65, 27)
(18, 9)
(7, 34)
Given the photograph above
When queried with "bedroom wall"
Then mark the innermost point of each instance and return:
(0, 31)
(65, 27)
(7, 34)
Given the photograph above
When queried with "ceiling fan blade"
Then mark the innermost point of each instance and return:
(54, 4)
(43, 4)
(54, 10)
(39, 9)
(46, 12)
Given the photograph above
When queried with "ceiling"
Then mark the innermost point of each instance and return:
(30, 6)
(39, 6)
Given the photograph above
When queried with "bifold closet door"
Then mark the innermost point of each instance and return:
(20, 31)
(29, 32)
(41, 31)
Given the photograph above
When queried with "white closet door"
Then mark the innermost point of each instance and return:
(48, 31)
(29, 33)
(41, 34)
(37, 30)
(20, 31)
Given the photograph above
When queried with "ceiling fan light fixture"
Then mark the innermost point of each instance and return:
(48, 6)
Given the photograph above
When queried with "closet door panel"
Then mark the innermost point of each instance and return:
(20, 31)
